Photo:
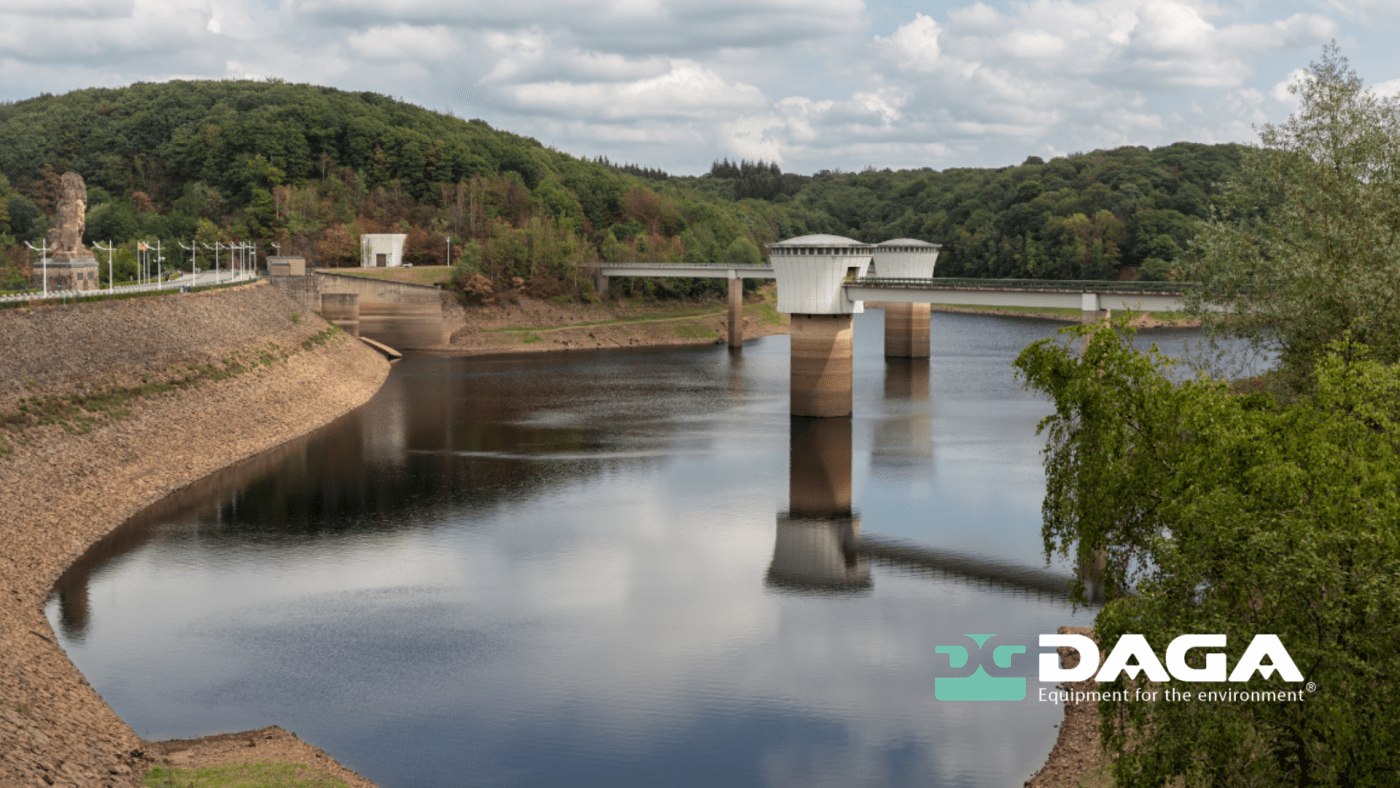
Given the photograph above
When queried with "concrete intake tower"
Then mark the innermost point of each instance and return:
(810, 271)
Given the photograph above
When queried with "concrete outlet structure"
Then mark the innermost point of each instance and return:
(811, 271)
(906, 325)
(342, 309)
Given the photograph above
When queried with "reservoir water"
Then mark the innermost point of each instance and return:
(621, 568)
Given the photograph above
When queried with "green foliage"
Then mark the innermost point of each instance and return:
(314, 167)
(1307, 247)
(1237, 515)
(240, 775)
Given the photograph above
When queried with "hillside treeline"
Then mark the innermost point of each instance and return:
(312, 168)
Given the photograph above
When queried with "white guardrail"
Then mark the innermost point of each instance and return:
(174, 284)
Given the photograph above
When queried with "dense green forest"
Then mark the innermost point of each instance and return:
(312, 168)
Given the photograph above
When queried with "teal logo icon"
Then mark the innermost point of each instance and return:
(980, 686)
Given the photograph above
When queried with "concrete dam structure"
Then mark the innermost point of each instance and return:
(823, 280)
(398, 314)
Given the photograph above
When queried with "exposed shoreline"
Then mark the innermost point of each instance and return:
(64, 489)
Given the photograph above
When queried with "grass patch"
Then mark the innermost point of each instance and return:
(79, 413)
(765, 312)
(694, 331)
(652, 317)
(529, 339)
(240, 775)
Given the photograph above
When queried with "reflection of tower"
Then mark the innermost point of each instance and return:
(817, 537)
(904, 436)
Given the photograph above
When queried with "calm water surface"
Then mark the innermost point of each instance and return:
(624, 568)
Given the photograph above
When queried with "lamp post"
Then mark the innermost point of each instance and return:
(193, 249)
(111, 278)
(215, 247)
(42, 249)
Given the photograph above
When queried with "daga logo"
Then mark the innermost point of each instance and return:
(982, 686)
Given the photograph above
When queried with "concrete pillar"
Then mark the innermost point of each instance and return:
(342, 309)
(600, 286)
(736, 312)
(1089, 311)
(906, 330)
(820, 377)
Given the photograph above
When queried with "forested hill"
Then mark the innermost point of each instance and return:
(314, 167)
(1084, 216)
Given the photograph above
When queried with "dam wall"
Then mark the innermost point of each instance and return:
(105, 409)
(403, 316)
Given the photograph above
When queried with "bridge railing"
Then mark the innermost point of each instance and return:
(62, 295)
(1080, 285)
(713, 266)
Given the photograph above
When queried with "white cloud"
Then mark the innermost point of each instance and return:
(686, 90)
(678, 83)
(913, 47)
(434, 43)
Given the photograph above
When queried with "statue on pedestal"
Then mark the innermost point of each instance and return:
(65, 238)
(70, 266)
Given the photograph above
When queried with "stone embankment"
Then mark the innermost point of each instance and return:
(106, 408)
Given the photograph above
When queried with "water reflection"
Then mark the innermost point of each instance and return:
(904, 433)
(816, 548)
(567, 569)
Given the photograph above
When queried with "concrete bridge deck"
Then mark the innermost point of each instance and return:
(1086, 295)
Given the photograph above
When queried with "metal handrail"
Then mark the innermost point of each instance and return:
(715, 266)
(65, 294)
(1080, 285)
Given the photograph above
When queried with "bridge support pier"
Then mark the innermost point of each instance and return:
(906, 330)
(1090, 310)
(736, 312)
(820, 377)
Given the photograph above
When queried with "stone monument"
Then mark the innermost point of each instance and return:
(70, 265)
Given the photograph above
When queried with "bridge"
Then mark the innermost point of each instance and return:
(824, 279)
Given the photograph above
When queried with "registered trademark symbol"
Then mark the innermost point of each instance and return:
(1312, 687)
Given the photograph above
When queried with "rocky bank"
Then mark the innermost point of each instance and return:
(142, 397)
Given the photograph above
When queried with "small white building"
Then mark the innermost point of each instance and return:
(382, 250)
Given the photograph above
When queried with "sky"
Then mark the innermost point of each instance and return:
(809, 84)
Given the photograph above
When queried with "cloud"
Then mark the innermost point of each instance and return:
(686, 90)
(678, 83)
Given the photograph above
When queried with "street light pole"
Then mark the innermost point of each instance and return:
(193, 249)
(111, 278)
(42, 249)
(215, 247)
